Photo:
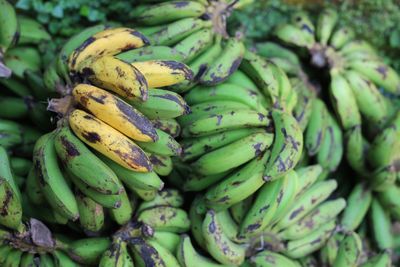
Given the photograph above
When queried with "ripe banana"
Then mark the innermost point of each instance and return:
(109, 141)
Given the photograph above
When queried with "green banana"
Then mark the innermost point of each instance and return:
(81, 162)
(307, 177)
(341, 37)
(325, 25)
(31, 31)
(164, 146)
(381, 260)
(315, 240)
(170, 126)
(304, 23)
(317, 127)
(322, 214)
(167, 12)
(166, 218)
(124, 212)
(91, 214)
(237, 186)
(165, 197)
(357, 207)
(381, 227)
(293, 35)
(88, 251)
(233, 154)
(162, 104)
(225, 64)
(355, 147)
(114, 255)
(9, 27)
(62, 260)
(174, 32)
(307, 202)
(225, 120)
(389, 199)
(147, 53)
(13, 258)
(22, 58)
(271, 259)
(218, 243)
(13, 107)
(350, 251)
(168, 240)
(144, 254)
(287, 146)
(162, 165)
(195, 44)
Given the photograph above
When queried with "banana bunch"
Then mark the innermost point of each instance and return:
(290, 217)
(323, 138)
(361, 84)
(192, 32)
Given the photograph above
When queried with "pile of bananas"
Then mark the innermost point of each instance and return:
(171, 143)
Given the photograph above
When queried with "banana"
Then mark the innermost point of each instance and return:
(307, 202)
(49, 175)
(4, 251)
(344, 102)
(11, 215)
(81, 162)
(272, 50)
(13, 258)
(263, 209)
(225, 120)
(14, 108)
(162, 73)
(34, 193)
(325, 25)
(196, 223)
(168, 12)
(134, 180)
(189, 257)
(6, 173)
(225, 92)
(145, 194)
(196, 182)
(350, 251)
(379, 73)
(31, 31)
(199, 65)
(322, 214)
(383, 178)
(165, 145)
(53, 82)
(355, 149)
(62, 260)
(169, 259)
(109, 141)
(358, 204)
(46, 260)
(381, 260)
(106, 43)
(70, 45)
(341, 37)
(232, 155)
(15, 86)
(293, 35)
(303, 22)
(107, 201)
(317, 127)
(169, 126)
(162, 165)
(263, 73)
(20, 166)
(381, 225)
(195, 44)
(302, 247)
(22, 58)
(168, 240)
(330, 154)
(286, 196)
(162, 104)
(328, 253)
(174, 32)
(218, 243)
(124, 212)
(225, 64)
(145, 254)
(390, 201)
(27, 260)
(195, 147)
(152, 52)
(91, 214)
(166, 197)
(166, 218)
(115, 112)
(88, 251)
(272, 259)
(117, 76)
(237, 186)
(9, 26)
(287, 146)
(369, 100)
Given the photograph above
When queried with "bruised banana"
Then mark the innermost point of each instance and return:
(109, 141)
(115, 112)
(107, 42)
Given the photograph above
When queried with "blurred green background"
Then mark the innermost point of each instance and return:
(375, 20)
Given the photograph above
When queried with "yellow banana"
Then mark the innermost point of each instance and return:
(115, 112)
(160, 73)
(117, 76)
(107, 42)
(109, 141)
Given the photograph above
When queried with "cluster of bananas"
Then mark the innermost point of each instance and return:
(191, 32)
(362, 86)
